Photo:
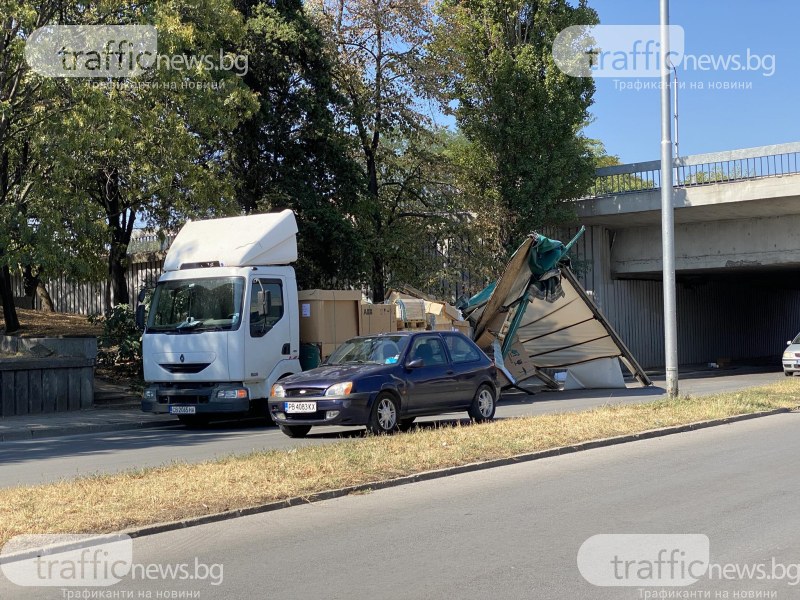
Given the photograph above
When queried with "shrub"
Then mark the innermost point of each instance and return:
(120, 344)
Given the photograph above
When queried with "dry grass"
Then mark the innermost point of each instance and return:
(40, 324)
(114, 502)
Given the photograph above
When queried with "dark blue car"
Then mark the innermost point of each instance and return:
(386, 381)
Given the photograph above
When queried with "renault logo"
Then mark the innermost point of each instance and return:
(182, 358)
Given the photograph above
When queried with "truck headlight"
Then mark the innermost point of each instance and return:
(339, 389)
(233, 394)
(278, 391)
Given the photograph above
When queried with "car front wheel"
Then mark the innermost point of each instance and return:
(295, 431)
(483, 405)
(385, 415)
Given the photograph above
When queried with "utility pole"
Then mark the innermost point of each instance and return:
(667, 216)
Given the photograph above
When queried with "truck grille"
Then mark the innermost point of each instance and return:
(183, 367)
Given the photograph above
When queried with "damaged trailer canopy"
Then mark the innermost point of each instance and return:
(538, 316)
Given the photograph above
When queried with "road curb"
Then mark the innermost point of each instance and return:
(438, 473)
(41, 433)
(417, 477)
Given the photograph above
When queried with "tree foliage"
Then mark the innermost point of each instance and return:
(291, 153)
(509, 98)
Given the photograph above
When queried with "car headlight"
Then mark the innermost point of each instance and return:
(339, 389)
(278, 391)
(787, 355)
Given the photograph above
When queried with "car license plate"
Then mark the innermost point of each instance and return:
(300, 407)
(182, 410)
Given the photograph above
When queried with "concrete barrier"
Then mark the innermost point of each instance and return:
(84, 347)
(45, 385)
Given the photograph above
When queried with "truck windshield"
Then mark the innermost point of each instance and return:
(189, 305)
(382, 350)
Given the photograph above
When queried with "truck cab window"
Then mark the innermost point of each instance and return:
(266, 305)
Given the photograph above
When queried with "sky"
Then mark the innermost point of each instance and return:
(628, 121)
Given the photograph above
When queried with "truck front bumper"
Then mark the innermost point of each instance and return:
(200, 401)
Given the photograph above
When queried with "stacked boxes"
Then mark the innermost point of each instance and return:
(329, 317)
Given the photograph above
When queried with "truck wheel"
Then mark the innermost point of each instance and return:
(194, 421)
(483, 405)
(384, 417)
(295, 431)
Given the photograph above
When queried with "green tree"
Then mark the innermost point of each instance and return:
(291, 153)
(151, 150)
(25, 98)
(378, 50)
(511, 100)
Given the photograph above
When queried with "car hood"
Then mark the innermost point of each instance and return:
(329, 374)
(793, 349)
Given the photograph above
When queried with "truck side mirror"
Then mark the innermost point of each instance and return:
(140, 317)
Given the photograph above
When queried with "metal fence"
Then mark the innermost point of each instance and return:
(700, 169)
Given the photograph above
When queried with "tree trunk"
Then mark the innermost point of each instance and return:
(7, 297)
(117, 268)
(35, 288)
(45, 301)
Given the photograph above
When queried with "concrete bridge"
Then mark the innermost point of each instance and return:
(737, 237)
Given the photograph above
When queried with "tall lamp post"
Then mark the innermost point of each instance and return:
(667, 217)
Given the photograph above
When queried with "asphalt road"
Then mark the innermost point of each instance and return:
(50, 459)
(508, 532)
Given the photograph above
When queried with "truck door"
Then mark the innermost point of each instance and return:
(268, 338)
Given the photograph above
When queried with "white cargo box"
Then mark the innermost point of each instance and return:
(252, 240)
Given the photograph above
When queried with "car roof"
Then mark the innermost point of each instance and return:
(406, 333)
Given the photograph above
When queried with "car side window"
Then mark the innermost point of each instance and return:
(430, 350)
(461, 351)
(266, 305)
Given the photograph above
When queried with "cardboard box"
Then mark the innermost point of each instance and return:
(325, 350)
(329, 316)
(460, 326)
(378, 318)
(518, 363)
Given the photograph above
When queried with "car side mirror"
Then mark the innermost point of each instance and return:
(140, 317)
(789, 343)
(415, 364)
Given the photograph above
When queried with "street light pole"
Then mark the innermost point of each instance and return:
(667, 216)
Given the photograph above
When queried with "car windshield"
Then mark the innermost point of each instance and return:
(190, 305)
(796, 339)
(383, 350)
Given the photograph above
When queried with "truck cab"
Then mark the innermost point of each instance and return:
(223, 325)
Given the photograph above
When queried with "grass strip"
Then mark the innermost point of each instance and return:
(105, 503)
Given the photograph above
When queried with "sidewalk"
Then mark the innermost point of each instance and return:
(115, 409)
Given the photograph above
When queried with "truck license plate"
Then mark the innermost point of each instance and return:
(300, 407)
(182, 410)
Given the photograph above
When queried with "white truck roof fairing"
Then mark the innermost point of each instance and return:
(252, 240)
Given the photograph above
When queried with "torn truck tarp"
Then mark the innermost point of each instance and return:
(543, 318)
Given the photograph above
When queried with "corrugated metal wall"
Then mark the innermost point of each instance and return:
(733, 319)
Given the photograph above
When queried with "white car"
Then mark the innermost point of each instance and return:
(791, 357)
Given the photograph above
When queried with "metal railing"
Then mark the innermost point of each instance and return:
(700, 169)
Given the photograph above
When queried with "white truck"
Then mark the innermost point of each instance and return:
(222, 325)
